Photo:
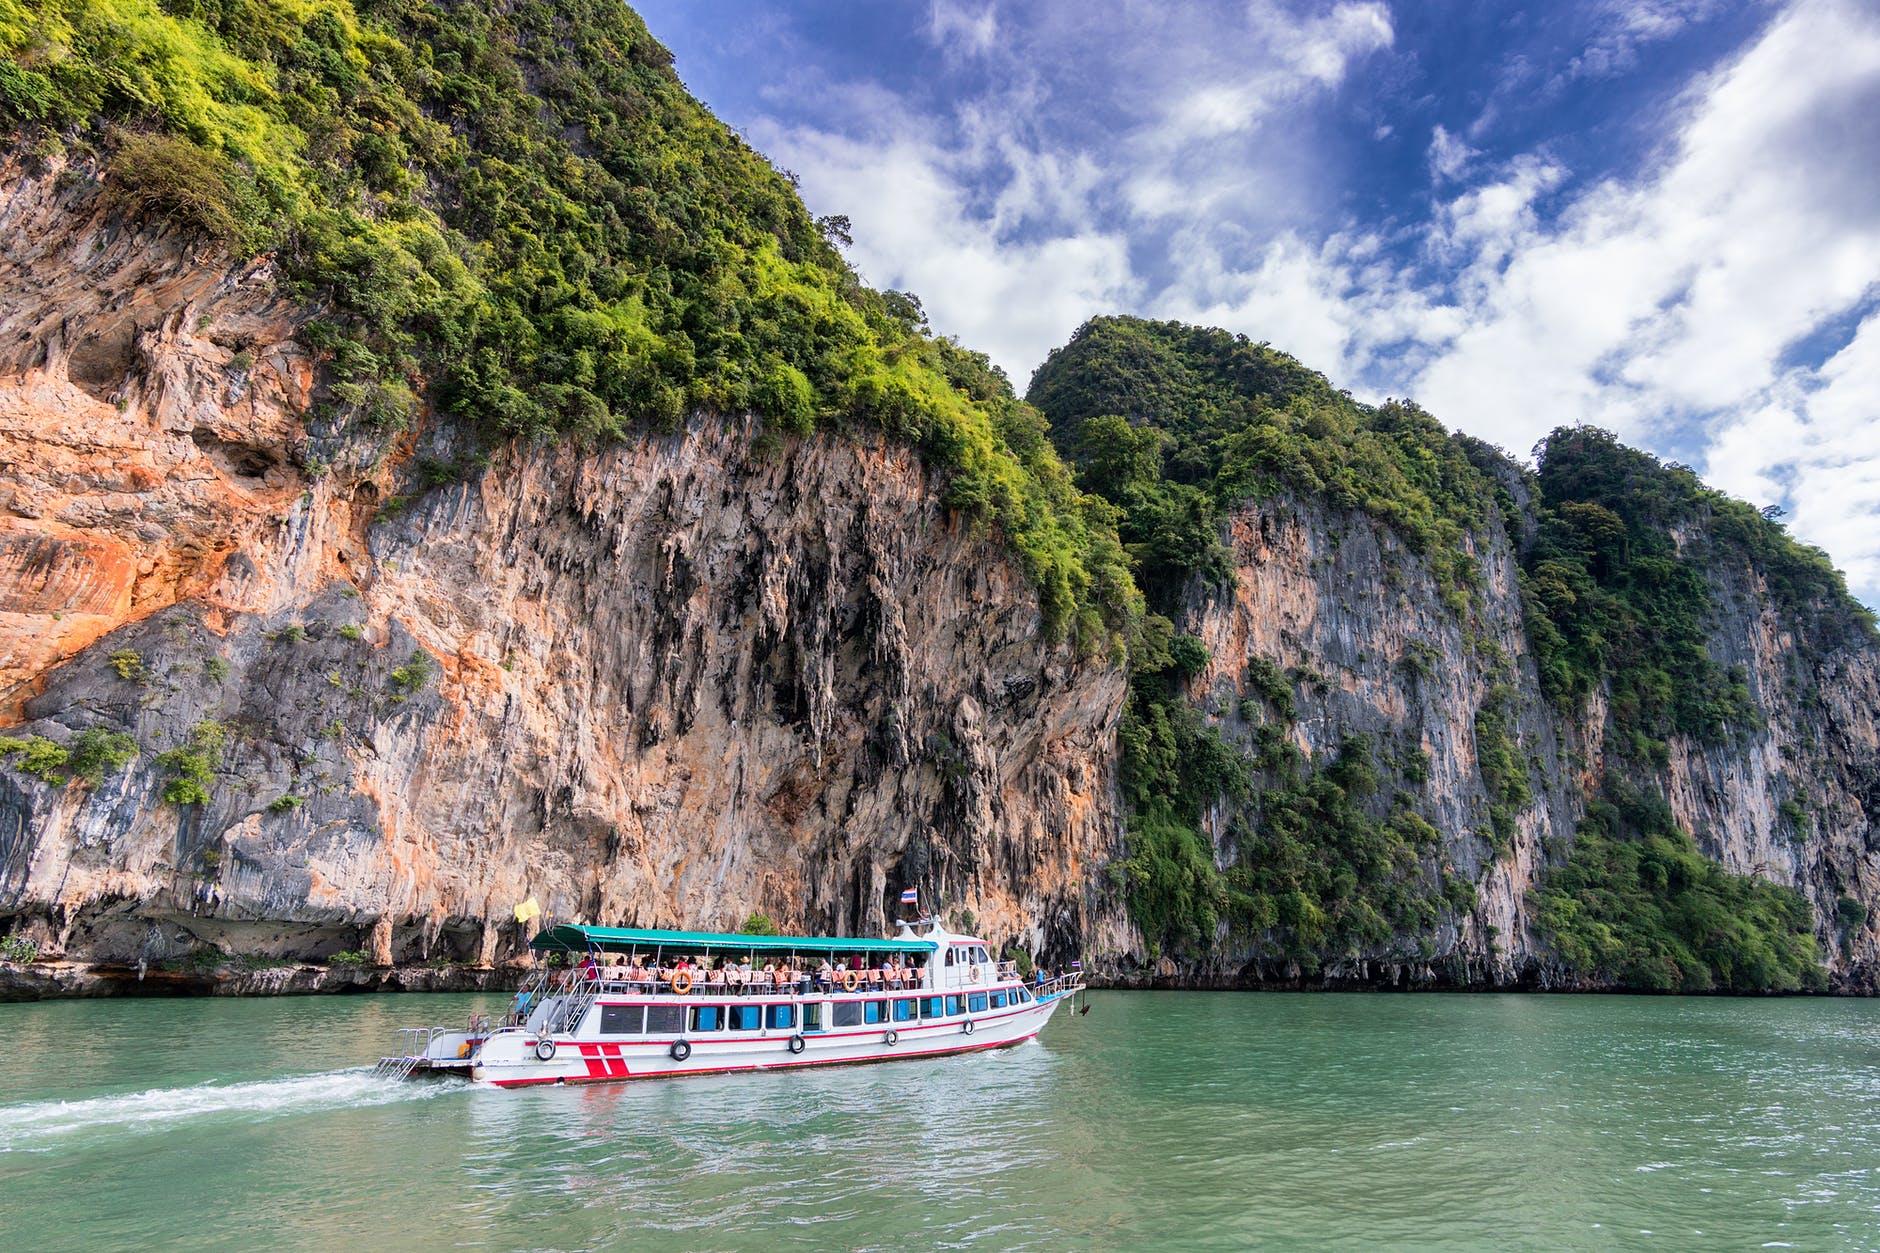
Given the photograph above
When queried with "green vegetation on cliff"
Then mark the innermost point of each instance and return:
(516, 215)
(1618, 589)
(1638, 905)
(1178, 424)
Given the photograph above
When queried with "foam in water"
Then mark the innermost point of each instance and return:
(41, 1124)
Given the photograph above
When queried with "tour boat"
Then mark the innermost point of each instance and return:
(594, 1009)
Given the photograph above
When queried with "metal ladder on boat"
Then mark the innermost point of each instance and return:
(414, 1047)
(574, 1008)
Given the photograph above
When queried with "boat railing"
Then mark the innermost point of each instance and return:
(414, 1047)
(1061, 985)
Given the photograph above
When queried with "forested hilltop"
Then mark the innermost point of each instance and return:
(1605, 611)
(445, 466)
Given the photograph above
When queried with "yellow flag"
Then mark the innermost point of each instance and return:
(527, 910)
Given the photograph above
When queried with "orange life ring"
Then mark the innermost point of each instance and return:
(682, 982)
(972, 976)
(850, 978)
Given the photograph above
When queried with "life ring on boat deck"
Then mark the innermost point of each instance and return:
(682, 982)
(545, 1049)
(891, 1038)
(972, 975)
(850, 980)
(680, 1050)
(798, 1044)
(967, 1026)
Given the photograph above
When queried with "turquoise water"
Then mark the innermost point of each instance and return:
(1159, 1120)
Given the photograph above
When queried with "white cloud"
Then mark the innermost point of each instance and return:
(1815, 444)
(1448, 155)
(1674, 297)
(1626, 26)
(960, 31)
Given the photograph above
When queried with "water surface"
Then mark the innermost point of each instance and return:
(1159, 1120)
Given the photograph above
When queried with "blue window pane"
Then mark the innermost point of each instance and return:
(998, 1000)
(706, 1018)
(782, 1016)
(871, 1011)
(953, 1004)
(745, 1017)
(903, 1011)
(977, 1002)
(933, 1008)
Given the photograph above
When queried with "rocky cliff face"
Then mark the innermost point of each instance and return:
(1370, 646)
(674, 681)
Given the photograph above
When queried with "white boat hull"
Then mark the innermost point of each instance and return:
(509, 1058)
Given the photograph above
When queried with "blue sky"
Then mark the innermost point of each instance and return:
(1660, 216)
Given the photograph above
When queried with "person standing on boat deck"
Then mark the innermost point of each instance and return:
(825, 975)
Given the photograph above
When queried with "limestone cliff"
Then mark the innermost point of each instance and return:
(673, 681)
(1336, 600)
(1461, 721)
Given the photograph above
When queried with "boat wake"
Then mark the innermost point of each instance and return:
(46, 1124)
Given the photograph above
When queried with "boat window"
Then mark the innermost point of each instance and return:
(953, 1004)
(623, 1019)
(780, 1015)
(1023, 994)
(846, 1014)
(871, 1011)
(812, 1016)
(707, 1018)
(998, 1000)
(949, 957)
(904, 1009)
(976, 1002)
(665, 1019)
(932, 1007)
(746, 1017)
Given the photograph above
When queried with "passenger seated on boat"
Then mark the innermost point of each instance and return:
(825, 975)
(781, 977)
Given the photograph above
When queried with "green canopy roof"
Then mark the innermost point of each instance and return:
(576, 939)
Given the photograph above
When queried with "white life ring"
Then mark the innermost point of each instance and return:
(545, 1050)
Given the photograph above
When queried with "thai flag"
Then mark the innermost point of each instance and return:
(910, 897)
(1077, 965)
